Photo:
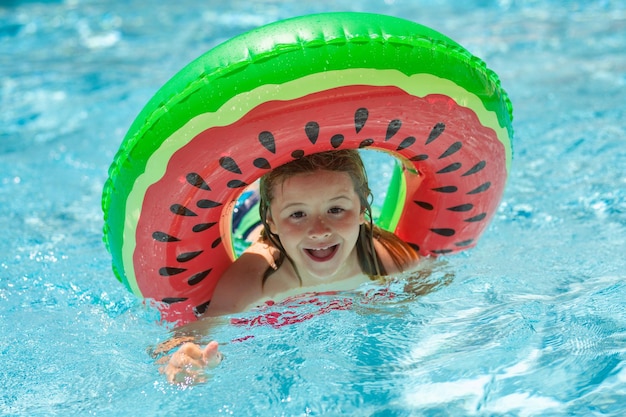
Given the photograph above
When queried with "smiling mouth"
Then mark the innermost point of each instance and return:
(322, 254)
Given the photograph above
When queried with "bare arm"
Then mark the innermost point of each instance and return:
(390, 265)
(239, 287)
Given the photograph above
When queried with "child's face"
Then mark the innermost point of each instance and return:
(317, 217)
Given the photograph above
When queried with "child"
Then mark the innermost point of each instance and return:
(318, 235)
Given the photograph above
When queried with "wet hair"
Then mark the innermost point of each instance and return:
(350, 162)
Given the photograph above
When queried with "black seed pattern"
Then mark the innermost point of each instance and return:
(424, 205)
(197, 278)
(446, 189)
(236, 184)
(444, 232)
(477, 218)
(436, 131)
(360, 117)
(267, 140)
(336, 140)
(475, 168)
(392, 129)
(208, 204)
(197, 181)
(366, 143)
(312, 130)
(462, 207)
(406, 143)
(168, 271)
(450, 168)
(481, 188)
(188, 256)
(200, 309)
(164, 237)
(455, 147)
(201, 227)
(229, 164)
(420, 157)
(262, 163)
(172, 300)
(181, 210)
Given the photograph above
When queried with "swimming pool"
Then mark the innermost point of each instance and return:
(530, 322)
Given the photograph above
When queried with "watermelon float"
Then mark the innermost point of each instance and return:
(289, 89)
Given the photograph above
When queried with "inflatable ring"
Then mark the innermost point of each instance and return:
(289, 89)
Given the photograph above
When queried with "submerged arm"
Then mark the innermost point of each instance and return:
(239, 288)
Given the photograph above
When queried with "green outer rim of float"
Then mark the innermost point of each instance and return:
(254, 63)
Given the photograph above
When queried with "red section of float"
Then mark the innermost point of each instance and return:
(183, 233)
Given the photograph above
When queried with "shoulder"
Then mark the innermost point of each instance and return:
(242, 283)
(396, 255)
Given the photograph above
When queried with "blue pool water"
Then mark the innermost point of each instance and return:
(530, 322)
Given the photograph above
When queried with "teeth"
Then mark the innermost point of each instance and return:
(322, 248)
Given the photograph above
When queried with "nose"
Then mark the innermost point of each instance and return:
(319, 229)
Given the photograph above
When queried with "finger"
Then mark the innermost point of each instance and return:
(211, 355)
(192, 350)
(181, 360)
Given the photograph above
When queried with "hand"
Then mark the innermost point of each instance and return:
(187, 365)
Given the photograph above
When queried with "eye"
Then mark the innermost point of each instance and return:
(336, 210)
(297, 215)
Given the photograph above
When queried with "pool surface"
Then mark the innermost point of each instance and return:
(531, 322)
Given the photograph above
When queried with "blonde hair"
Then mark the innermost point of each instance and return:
(350, 162)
